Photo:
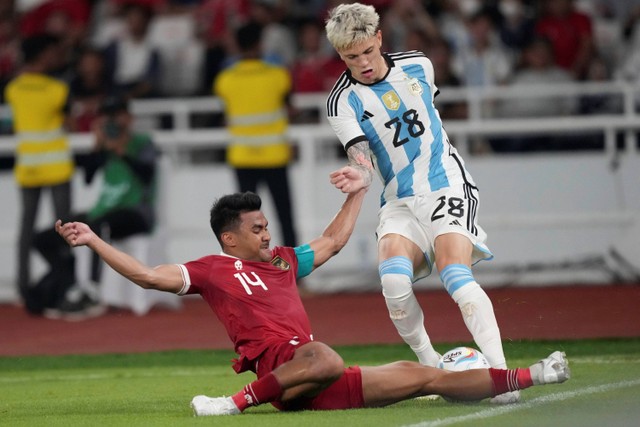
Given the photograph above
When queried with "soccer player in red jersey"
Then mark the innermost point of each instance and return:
(251, 288)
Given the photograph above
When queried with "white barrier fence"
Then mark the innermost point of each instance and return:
(551, 217)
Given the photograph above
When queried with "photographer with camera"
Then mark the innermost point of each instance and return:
(125, 206)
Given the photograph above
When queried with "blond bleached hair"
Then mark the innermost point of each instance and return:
(350, 24)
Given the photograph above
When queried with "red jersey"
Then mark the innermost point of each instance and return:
(566, 34)
(257, 302)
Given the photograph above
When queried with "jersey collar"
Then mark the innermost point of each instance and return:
(390, 64)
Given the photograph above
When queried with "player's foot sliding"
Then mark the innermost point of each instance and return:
(553, 369)
(265, 389)
(204, 406)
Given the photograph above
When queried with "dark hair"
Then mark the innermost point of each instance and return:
(90, 50)
(539, 41)
(34, 46)
(113, 104)
(225, 212)
(134, 7)
(248, 36)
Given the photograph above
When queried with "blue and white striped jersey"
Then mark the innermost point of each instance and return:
(411, 151)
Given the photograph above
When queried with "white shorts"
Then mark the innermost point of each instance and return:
(424, 217)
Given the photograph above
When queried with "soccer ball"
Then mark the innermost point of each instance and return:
(463, 359)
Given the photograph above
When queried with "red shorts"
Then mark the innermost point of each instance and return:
(345, 393)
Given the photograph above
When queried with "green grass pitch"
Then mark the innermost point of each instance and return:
(155, 389)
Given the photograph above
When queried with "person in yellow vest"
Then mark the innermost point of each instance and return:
(256, 98)
(43, 158)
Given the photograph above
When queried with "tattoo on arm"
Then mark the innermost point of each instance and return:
(359, 156)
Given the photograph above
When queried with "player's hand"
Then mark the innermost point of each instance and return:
(348, 179)
(74, 233)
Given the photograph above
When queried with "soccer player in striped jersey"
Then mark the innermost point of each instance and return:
(382, 110)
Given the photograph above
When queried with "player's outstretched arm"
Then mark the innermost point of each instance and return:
(358, 174)
(163, 277)
(337, 233)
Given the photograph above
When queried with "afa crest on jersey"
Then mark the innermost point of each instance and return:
(280, 263)
(413, 84)
(415, 88)
(391, 100)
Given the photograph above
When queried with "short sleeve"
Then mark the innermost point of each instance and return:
(430, 76)
(186, 281)
(194, 275)
(344, 123)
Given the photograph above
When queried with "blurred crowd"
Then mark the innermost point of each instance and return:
(92, 52)
(169, 48)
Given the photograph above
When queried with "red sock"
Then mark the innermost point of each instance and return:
(505, 380)
(266, 389)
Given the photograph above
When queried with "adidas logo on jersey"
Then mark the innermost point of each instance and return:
(455, 222)
(366, 116)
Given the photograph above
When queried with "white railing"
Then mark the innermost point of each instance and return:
(183, 137)
(317, 141)
(551, 216)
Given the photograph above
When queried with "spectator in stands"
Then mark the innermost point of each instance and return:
(278, 43)
(256, 97)
(537, 68)
(181, 53)
(181, 6)
(400, 19)
(132, 61)
(304, 10)
(599, 71)
(629, 70)
(215, 21)
(89, 86)
(517, 24)
(630, 28)
(8, 8)
(439, 52)
(68, 20)
(121, 6)
(45, 16)
(570, 33)
(629, 67)
(315, 69)
(9, 50)
(485, 61)
(418, 39)
(597, 103)
(39, 104)
(125, 206)
(452, 17)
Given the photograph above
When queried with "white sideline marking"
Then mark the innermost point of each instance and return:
(506, 409)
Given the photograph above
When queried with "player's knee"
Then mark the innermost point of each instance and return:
(330, 368)
(397, 290)
(395, 276)
(326, 364)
